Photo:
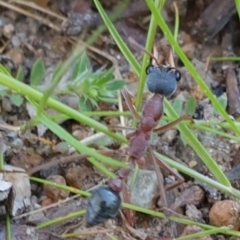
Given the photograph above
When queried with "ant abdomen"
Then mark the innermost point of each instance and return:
(103, 204)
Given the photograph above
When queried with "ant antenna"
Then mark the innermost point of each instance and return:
(131, 40)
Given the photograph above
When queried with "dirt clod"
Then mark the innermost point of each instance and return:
(225, 213)
(55, 193)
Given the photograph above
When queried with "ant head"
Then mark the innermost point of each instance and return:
(162, 80)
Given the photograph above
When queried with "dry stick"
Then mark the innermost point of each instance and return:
(26, 13)
(6, 126)
(41, 9)
(46, 207)
(64, 160)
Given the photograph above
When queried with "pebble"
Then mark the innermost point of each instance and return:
(16, 55)
(8, 30)
(20, 201)
(16, 41)
(192, 164)
(144, 189)
(55, 193)
(75, 176)
(225, 213)
(6, 104)
(26, 160)
(169, 136)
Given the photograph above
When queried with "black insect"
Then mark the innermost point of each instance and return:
(103, 204)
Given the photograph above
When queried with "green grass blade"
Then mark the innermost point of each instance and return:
(60, 186)
(201, 178)
(149, 43)
(181, 219)
(218, 59)
(192, 140)
(176, 24)
(35, 95)
(61, 219)
(8, 225)
(203, 233)
(237, 3)
(198, 148)
(163, 26)
(117, 38)
(81, 148)
(213, 167)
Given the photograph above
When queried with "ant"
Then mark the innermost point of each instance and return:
(161, 80)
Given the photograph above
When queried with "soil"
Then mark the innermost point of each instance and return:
(208, 28)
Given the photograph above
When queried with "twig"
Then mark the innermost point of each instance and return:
(41, 9)
(34, 16)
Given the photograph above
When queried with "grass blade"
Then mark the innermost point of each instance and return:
(117, 38)
(163, 26)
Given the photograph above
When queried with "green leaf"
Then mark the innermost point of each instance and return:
(115, 85)
(4, 70)
(104, 78)
(85, 86)
(37, 72)
(16, 99)
(3, 92)
(19, 75)
(177, 105)
(84, 106)
(222, 101)
(82, 65)
(183, 138)
(55, 71)
(190, 105)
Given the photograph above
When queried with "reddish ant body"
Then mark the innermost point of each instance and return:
(161, 81)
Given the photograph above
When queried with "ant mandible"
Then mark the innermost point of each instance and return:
(105, 201)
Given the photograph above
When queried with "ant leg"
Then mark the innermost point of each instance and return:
(129, 214)
(165, 167)
(173, 123)
(160, 180)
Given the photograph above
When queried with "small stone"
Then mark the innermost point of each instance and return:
(225, 213)
(75, 176)
(26, 160)
(16, 55)
(15, 41)
(6, 104)
(169, 136)
(144, 189)
(193, 213)
(20, 201)
(192, 164)
(8, 30)
(55, 193)
(194, 229)
(17, 143)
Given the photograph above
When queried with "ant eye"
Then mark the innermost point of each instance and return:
(149, 69)
(177, 75)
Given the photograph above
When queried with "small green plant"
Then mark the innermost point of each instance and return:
(92, 87)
